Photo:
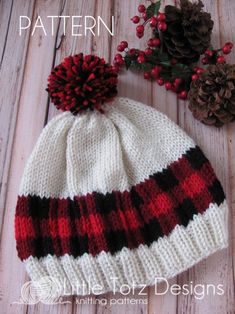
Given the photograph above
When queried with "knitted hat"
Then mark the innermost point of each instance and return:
(114, 192)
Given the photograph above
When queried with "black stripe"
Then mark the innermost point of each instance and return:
(196, 158)
(217, 192)
(165, 179)
(185, 211)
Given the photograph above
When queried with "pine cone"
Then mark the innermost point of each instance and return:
(212, 96)
(188, 31)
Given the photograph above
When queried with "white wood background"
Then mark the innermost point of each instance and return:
(25, 63)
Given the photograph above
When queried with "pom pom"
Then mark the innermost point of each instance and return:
(82, 83)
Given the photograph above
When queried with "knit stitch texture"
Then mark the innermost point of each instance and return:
(125, 194)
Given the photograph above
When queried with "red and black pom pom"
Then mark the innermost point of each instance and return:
(82, 83)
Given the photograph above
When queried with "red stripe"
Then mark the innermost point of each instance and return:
(59, 226)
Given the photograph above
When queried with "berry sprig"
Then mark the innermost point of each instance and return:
(155, 62)
(151, 16)
(213, 56)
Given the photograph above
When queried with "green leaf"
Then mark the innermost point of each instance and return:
(127, 60)
(181, 70)
(163, 57)
(145, 67)
(166, 64)
(153, 9)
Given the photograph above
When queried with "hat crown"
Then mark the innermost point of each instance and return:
(103, 153)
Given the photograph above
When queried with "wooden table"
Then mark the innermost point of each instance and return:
(24, 109)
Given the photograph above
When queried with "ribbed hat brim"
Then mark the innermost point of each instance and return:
(164, 259)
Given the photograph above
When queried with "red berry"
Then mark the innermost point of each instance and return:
(145, 16)
(118, 56)
(140, 29)
(155, 72)
(139, 35)
(168, 85)
(220, 59)
(162, 26)
(195, 69)
(229, 45)
(195, 77)
(120, 48)
(174, 88)
(148, 51)
(153, 21)
(156, 42)
(178, 81)
(161, 17)
(173, 61)
(205, 60)
(85, 103)
(115, 62)
(116, 68)
(119, 61)
(124, 44)
(183, 94)
(200, 71)
(132, 51)
(209, 53)
(141, 59)
(160, 81)
(150, 42)
(141, 53)
(135, 19)
(146, 75)
(141, 8)
(226, 49)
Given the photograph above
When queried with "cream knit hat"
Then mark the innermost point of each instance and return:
(114, 196)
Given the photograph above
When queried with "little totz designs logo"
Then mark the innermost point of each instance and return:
(49, 290)
(78, 25)
(46, 290)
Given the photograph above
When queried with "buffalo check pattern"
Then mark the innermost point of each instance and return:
(109, 222)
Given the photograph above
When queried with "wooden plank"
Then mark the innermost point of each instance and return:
(165, 303)
(227, 18)
(6, 10)
(131, 84)
(11, 72)
(216, 269)
(31, 115)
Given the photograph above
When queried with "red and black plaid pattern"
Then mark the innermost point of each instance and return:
(97, 222)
